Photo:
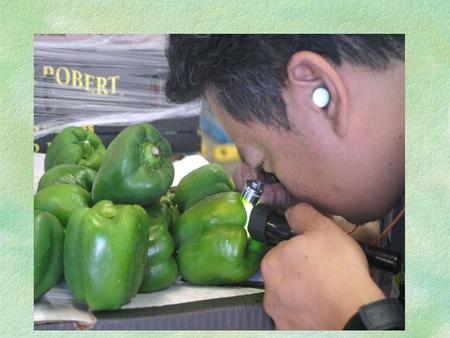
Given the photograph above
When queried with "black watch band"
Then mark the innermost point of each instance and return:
(385, 314)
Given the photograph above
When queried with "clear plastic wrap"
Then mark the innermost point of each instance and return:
(101, 80)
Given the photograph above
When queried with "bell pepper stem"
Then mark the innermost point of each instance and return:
(108, 210)
(150, 154)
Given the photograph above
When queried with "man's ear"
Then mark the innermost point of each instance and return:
(307, 71)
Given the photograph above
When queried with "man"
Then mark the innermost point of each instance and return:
(325, 114)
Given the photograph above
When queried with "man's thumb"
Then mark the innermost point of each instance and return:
(303, 217)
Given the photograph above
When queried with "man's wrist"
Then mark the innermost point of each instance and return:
(385, 314)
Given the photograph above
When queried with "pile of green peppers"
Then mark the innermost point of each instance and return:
(106, 220)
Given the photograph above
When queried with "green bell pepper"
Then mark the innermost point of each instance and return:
(214, 247)
(69, 174)
(48, 252)
(75, 145)
(62, 200)
(200, 183)
(105, 253)
(161, 268)
(137, 167)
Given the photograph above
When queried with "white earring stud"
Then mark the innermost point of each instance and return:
(321, 97)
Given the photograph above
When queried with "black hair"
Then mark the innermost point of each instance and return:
(247, 72)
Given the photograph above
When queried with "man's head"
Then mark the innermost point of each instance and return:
(346, 158)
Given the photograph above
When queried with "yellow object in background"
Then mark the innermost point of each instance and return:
(225, 153)
(217, 152)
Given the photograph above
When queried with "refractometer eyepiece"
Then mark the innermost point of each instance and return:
(253, 190)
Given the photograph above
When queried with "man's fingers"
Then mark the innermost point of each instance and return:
(243, 173)
(276, 194)
(303, 217)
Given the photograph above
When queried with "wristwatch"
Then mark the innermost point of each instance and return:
(385, 314)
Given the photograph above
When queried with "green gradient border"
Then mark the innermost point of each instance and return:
(426, 25)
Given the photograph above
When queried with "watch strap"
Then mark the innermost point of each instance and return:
(385, 314)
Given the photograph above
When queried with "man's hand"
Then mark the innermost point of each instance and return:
(316, 280)
(274, 194)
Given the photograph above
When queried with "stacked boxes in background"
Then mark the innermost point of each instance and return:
(107, 82)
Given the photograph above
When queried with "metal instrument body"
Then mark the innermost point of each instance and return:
(253, 190)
